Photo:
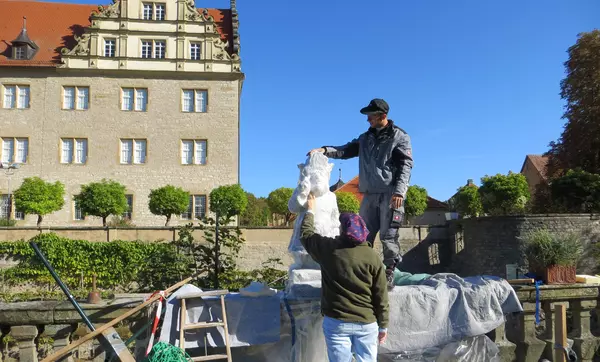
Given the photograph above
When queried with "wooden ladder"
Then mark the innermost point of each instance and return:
(201, 325)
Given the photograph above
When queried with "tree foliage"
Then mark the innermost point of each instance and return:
(228, 201)
(347, 202)
(579, 143)
(37, 197)
(416, 201)
(577, 191)
(102, 199)
(256, 213)
(504, 194)
(168, 200)
(467, 201)
(278, 202)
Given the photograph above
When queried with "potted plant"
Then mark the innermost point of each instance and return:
(553, 256)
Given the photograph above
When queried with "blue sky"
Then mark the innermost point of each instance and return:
(476, 84)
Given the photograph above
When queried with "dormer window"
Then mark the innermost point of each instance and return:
(20, 52)
(23, 48)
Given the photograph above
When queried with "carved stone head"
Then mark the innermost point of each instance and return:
(317, 170)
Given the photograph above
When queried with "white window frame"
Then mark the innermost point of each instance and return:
(21, 52)
(195, 46)
(15, 215)
(75, 208)
(76, 97)
(154, 6)
(190, 213)
(134, 100)
(131, 159)
(107, 53)
(154, 45)
(74, 160)
(195, 143)
(203, 107)
(128, 215)
(18, 90)
(13, 158)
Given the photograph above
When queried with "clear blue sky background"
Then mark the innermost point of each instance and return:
(475, 83)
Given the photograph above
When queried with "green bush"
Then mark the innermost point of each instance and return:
(116, 264)
(347, 202)
(543, 248)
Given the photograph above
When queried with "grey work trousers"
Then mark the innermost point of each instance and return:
(377, 213)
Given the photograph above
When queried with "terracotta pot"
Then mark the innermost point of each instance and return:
(558, 274)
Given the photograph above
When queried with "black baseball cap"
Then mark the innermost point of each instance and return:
(376, 105)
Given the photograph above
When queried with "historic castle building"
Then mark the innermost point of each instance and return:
(146, 93)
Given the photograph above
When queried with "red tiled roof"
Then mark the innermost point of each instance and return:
(352, 186)
(539, 163)
(51, 26)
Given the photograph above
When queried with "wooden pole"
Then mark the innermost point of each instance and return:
(560, 333)
(67, 349)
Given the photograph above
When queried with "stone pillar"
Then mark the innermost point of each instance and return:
(529, 347)
(584, 343)
(506, 347)
(61, 334)
(25, 336)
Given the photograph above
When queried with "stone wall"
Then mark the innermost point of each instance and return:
(486, 245)
(418, 243)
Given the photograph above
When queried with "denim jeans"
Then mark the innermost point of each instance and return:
(343, 339)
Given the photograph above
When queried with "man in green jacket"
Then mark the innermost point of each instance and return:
(354, 295)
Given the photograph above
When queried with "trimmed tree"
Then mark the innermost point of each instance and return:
(416, 201)
(37, 197)
(347, 202)
(168, 200)
(278, 203)
(504, 194)
(228, 201)
(467, 201)
(256, 213)
(102, 199)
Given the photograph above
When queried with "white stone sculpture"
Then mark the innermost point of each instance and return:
(315, 175)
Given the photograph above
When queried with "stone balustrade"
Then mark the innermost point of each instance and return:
(34, 329)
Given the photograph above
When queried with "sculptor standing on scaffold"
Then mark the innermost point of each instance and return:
(385, 163)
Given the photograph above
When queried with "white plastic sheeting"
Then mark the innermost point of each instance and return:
(446, 308)
(315, 174)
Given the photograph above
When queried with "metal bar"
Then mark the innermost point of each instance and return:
(103, 341)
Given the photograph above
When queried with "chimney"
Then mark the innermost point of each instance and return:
(470, 182)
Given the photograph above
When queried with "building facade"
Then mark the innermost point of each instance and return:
(143, 93)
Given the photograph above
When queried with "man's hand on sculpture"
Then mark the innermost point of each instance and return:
(311, 201)
(321, 149)
(396, 202)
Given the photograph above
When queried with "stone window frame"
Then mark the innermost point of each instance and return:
(191, 211)
(194, 100)
(153, 47)
(194, 141)
(15, 215)
(133, 143)
(15, 149)
(74, 151)
(17, 87)
(74, 211)
(128, 215)
(76, 89)
(134, 99)
(115, 49)
(153, 13)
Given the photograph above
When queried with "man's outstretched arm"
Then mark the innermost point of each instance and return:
(344, 152)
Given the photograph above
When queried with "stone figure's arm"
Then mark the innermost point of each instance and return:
(379, 292)
(297, 202)
(403, 162)
(349, 150)
(311, 241)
